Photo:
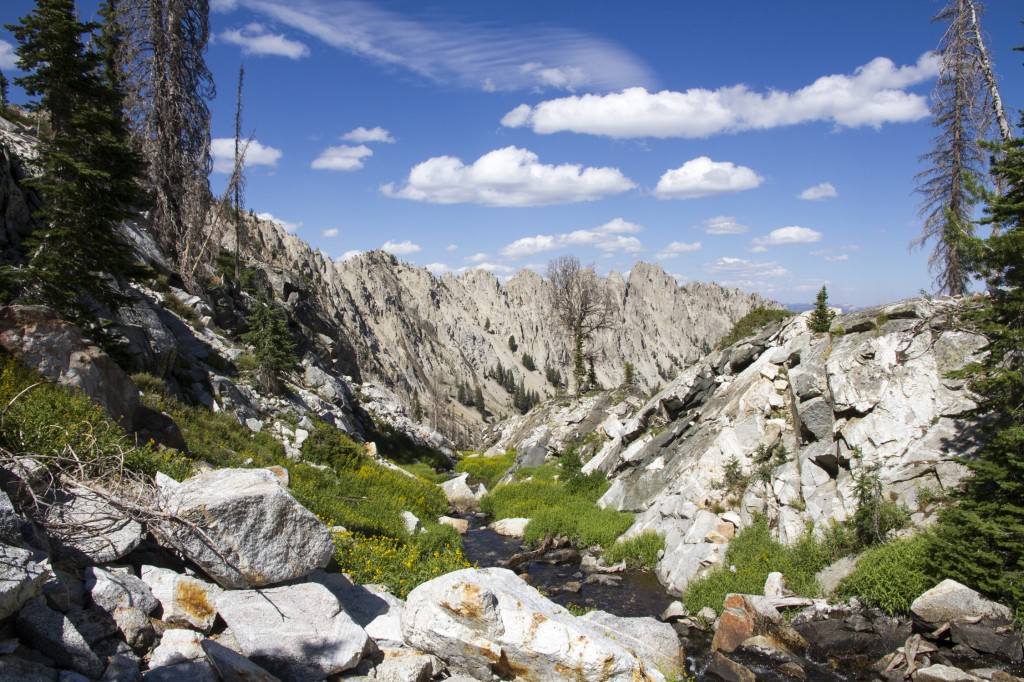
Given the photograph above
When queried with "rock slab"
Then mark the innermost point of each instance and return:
(253, 534)
(489, 621)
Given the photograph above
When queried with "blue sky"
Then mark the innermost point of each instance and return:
(769, 146)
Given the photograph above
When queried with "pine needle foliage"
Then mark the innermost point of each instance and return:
(822, 316)
(980, 539)
(88, 173)
(273, 347)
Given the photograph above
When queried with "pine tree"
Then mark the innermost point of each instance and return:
(965, 105)
(478, 401)
(821, 318)
(630, 374)
(273, 347)
(88, 177)
(3, 89)
(417, 408)
(979, 540)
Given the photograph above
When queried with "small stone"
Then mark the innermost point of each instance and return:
(460, 525)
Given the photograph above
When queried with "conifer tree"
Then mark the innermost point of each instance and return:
(821, 319)
(88, 172)
(3, 89)
(273, 348)
(979, 540)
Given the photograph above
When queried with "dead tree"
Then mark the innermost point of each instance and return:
(581, 304)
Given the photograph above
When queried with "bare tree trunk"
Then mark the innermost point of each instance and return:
(237, 178)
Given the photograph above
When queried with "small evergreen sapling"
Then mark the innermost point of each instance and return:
(821, 318)
(273, 348)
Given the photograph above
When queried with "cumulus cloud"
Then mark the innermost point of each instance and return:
(832, 257)
(477, 258)
(873, 95)
(786, 236)
(331, 232)
(608, 238)
(507, 177)
(471, 55)
(255, 39)
(402, 248)
(348, 255)
(702, 177)
(451, 247)
(8, 60)
(676, 249)
(289, 227)
(361, 135)
(823, 191)
(256, 154)
(342, 158)
(496, 268)
(722, 224)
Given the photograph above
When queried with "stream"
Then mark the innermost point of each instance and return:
(634, 593)
(638, 593)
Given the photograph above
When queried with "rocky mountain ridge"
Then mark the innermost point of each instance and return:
(414, 332)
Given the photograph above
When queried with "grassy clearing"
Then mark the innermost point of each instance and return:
(639, 551)
(755, 554)
(562, 506)
(487, 470)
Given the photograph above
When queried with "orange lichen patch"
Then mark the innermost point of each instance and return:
(507, 669)
(569, 673)
(193, 599)
(536, 620)
(469, 601)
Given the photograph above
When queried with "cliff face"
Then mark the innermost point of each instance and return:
(399, 325)
(873, 400)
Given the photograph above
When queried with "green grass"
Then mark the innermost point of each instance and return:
(487, 470)
(755, 554)
(364, 497)
(558, 507)
(426, 472)
(51, 422)
(639, 551)
(890, 576)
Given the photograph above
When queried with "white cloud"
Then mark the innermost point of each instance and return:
(223, 5)
(608, 238)
(676, 249)
(361, 135)
(437, 269)
(289, 227)
(507, 177)
(832, 257)
(331, 232)
(348, 255)
(477, 56)
(786, 236)
(403, 248)
(342, 158)
(8, 60)
(451, 247)
(702, 177)
(497, 268)
(872, 96)
(477, 258)
(254, 39)
(722, 224)
(823, 191)
(838, 259)
(747, 274)
(256, 154)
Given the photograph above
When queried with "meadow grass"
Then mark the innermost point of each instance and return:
(487, 470)
(638, 551)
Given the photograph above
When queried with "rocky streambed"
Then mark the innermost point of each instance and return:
(952, 635)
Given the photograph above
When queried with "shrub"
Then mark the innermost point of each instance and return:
(751, 323)
(638, 551)
(755, 554)
(329, 446)
(890, 576)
